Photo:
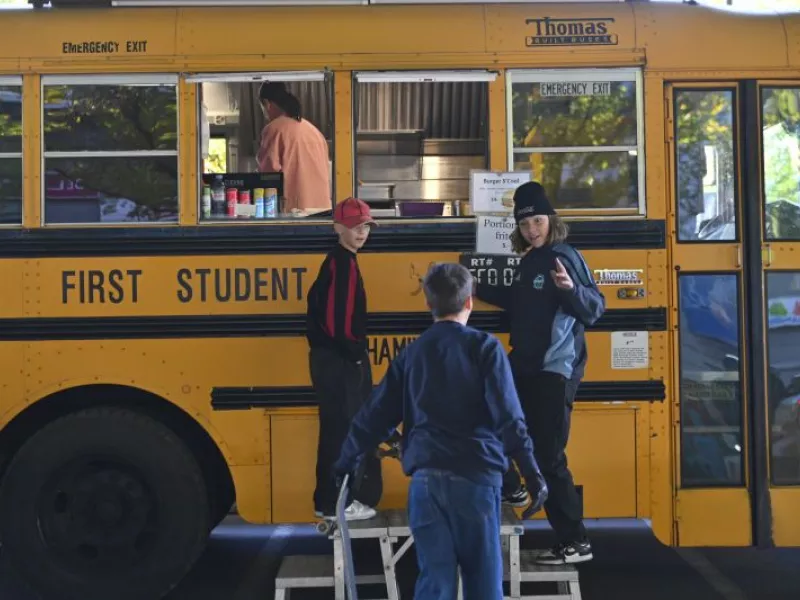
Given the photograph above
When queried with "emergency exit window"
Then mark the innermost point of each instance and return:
(232, 186)
(417, 137)
(10, 150)
(110, 149)
(580, 134)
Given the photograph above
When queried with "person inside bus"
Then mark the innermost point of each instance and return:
(293, 146)
(341, 373)
(551, 301)
(453, 391)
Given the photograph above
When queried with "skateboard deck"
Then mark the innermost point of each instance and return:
(347, 549)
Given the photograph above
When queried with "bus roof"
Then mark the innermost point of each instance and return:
(662, 36)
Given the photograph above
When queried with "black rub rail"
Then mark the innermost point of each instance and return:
(246, 398)
(219, 326)
(215, 240)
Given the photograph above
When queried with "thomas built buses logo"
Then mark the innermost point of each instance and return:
(571, 32)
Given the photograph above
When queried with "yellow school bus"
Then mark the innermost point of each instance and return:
(155, 369)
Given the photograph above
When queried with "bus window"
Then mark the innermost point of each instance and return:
(110, 149)
(418, 135)
(706, 172)
(580, 134)
(710, 380)
(10, 150)
(232, 125)
(781, 144)
(783, 375)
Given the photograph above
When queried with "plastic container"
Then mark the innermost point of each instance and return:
(421, 209)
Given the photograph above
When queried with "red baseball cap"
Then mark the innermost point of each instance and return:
(352, 212)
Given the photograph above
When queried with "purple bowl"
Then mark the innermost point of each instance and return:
(421, 209)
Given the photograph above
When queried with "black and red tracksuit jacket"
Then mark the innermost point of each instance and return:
(337, 306)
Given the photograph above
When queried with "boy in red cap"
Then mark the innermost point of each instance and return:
(340, 367)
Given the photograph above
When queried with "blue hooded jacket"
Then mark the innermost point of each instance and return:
(548, 324)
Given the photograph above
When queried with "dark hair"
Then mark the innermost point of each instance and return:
(447, 287)
(559, 230)
(276, 92)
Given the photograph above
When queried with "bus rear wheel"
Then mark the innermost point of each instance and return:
(103, 503)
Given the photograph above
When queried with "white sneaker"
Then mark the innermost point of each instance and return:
(355, 512)
(359, 512)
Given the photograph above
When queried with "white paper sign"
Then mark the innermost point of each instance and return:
(494, 192)
(493, 235)
(630, 350)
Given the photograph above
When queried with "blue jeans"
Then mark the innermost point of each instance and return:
(455, 523)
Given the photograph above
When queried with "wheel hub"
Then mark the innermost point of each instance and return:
(98, 515)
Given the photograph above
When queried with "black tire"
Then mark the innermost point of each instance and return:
(104, 503)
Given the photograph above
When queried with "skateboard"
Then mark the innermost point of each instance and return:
(329, 526)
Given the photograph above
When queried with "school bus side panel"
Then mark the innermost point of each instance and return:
(181, 372)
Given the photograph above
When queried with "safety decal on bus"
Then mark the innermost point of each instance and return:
(105, 47)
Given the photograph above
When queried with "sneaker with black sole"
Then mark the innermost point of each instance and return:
(566, 554)
(519, 499)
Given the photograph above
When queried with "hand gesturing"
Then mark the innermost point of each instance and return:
(561, 278)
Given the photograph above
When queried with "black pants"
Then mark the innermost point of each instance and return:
(342, 387)
(547, 403)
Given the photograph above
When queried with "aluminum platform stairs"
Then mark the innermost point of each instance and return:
(390, 528)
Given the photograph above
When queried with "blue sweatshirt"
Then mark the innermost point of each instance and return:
(548, 324)
(453, 391)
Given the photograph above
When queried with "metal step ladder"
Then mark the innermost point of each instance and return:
(389, 528)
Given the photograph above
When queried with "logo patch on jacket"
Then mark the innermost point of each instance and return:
(538, 283)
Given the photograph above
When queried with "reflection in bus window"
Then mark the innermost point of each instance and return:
(710, 382)
(781, 146)
(783, 382)
(232, 123)
(111, 151)
(10, 154)
(579, 135)
(706, 175)
(416, 144)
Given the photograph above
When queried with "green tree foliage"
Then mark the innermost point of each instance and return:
(781, 142)
(116, 118)
(10, 141)
(586, 179)
(704, 119)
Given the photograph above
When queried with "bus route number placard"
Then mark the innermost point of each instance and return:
(491, 269)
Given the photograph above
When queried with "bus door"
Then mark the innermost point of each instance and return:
(734, 156)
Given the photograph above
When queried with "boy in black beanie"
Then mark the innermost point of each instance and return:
(552, 300)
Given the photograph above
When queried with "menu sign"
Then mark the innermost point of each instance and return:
(493, 192)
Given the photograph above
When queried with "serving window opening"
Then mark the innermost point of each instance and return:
(418, 135)
(10, 150)
(255, 167)
(580, 134)
(110, 149)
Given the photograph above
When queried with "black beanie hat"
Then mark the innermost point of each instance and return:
(530, 200)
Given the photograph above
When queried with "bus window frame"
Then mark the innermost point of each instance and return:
(732, 87)
(764, 86)
(325, 76)
(16, 81)
(486, 76)
(131, 80)
(744, 410)
(605, 74)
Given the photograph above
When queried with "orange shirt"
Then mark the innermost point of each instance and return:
(300, 151)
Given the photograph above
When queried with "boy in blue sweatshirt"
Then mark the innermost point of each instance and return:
(453, 391)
